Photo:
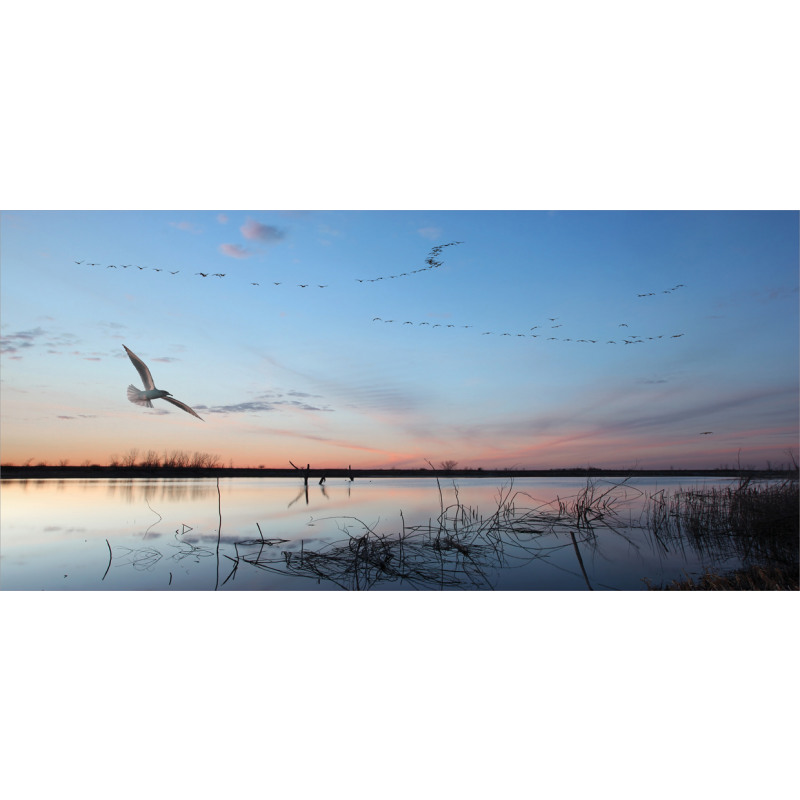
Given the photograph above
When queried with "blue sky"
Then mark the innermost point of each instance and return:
(491, 371)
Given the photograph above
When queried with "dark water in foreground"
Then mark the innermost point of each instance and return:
(395, 534)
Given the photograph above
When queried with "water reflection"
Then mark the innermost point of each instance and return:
(133, 490)
(461, 549)
(421, 558)
(273, 534)
(129, 490)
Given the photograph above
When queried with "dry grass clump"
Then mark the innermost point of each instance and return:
(750, 579)
(594, 501)
(752, 521)
(425, 557)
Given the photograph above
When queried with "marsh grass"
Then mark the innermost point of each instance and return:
(750, 579)
(756, 523)
(460, 548)
(595, 501)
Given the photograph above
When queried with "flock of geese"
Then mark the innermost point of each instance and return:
(663, 291)
(626, 339)
(431, 261)
(543, 331)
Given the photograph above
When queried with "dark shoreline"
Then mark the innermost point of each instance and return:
(96, 472)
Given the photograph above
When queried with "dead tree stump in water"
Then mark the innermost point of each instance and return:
(305, 472)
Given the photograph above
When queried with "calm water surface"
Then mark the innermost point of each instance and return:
(272, 534)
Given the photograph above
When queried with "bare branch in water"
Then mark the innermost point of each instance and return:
(109, 561)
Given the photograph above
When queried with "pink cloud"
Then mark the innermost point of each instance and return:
(222, 218)
(262, 233)
(234, 251)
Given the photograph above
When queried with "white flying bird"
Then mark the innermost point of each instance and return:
(143, 398)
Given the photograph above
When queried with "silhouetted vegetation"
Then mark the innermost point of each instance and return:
(462, 548)
(174, 459)
(750, 579)
(756, 523)
(751, 529)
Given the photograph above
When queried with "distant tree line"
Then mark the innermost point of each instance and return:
(149, 459)
(174, 459)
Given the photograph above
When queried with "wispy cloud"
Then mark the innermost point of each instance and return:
(381, 392)
(262, 233)
(326, 230)
(270, 401)
(237, 408)
(14, 342)
(632, 420)
(60, 343)
(189, 227)
(222, 219)
(383, 396)
(234, 251)
(430, 232)
(647, 427)
(63, 339)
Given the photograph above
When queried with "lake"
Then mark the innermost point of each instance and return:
(382, 534)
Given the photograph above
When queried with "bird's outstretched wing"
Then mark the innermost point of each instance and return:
(182, 405)
(141, 368)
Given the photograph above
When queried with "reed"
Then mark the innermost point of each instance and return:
(757, 523)
(595, 501)
(460, 548)
(754, 524)
(463, 547)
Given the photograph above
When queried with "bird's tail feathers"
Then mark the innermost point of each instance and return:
(135, 396)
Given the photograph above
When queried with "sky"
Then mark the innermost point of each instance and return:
(528, 339)
(435, 106)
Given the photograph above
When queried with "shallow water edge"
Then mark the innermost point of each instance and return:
(17, 472)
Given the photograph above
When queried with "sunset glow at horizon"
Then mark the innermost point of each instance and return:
(528, 340)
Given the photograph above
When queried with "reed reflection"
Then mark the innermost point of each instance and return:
(134, 490)
(462, 549)
(264, 534)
